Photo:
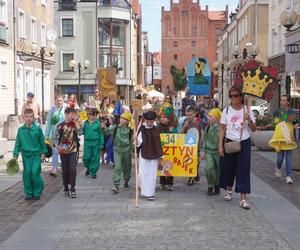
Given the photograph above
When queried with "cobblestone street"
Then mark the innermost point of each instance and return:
(182, 219)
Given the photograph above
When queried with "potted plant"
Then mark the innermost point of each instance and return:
(264, 132)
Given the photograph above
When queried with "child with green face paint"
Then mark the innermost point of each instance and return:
(30, 142)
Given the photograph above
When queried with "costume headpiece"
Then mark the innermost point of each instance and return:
(215, 112)
(149, 115)
(127, 115)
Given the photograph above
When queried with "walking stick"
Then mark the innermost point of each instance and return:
(135, 115)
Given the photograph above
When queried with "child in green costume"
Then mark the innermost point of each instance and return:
(30, 142)
(93, 143)
(210, 147)
(122, 150)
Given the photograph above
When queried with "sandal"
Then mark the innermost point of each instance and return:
(244, 204)
(228, 196)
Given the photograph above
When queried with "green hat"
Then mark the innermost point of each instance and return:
(12, 167)
(167, 111)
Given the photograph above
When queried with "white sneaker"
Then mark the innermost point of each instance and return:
(278, 172)
(288, 180)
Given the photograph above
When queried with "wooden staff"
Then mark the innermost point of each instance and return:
(136, 160)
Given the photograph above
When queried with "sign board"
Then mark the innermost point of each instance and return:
(137, 104)
(180, 155)
(107, 82)
(199, 78)
(157, 72)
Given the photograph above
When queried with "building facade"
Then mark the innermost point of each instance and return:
(33, 20)
(188, 31)
(247, 27)
(7, 87)
(106, 33)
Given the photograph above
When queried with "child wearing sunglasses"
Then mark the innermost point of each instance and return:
(93, 143)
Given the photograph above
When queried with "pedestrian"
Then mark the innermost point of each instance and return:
(30, 142)
(96, 101)
(32, 104)
(122, 144)
(106, 104)
(210, 148)
(55, 116)
(93, 143)
(236, 122)
(283, 140)
(72, 102)
(68, 147)
(106, 119)
(167, 125)
(187, 101)
(151, 154)
(191, 122)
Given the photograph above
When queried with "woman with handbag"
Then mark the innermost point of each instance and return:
(55, 116)
(235, 147)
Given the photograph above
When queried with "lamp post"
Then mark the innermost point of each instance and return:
(221, 68)
(73, 64)
(253, 51)
(44, 51)
(288, 19)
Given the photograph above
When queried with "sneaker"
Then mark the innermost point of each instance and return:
(191, 181)
(67, 193)
(210, 191)
(94, 176)
(126, 186)
(151, 198)
(36, 198)
(216, 190)
(115, 189)
(73, 195)
(170, 188)
(87, 172)
(288, 180)
(162, 187)
(28, 198)
(278, 172)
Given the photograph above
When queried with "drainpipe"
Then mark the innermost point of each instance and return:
(130, 30)
(15, 57)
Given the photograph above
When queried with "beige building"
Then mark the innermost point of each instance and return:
(33, 20)
(248, 27)
(6, 60)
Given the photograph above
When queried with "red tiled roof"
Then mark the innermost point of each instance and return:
(217, 15)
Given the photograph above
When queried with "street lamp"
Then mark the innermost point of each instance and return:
(44, 51)
(220, 69)
(73, 64)
(253, 51)
(288, 19)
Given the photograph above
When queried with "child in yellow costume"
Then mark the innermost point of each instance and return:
(283, 140)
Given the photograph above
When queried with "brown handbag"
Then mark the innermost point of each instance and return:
(231, 147)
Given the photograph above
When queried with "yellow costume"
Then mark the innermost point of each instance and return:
(283, 138)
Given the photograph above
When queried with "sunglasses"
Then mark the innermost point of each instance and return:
(92, 113)
(234, 96)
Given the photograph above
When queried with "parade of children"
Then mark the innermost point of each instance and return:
(107, 139)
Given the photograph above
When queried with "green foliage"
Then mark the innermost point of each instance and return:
(265, 123)
(179, 78)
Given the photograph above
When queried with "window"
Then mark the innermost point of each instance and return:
(67, 27)
(118, 32)
(22, 31)
(43, 35)
(3, 11)
(194, 31)
(184, 13)
(174, 31)
(33, 30)
(175, 43)
(118, 60)
(29, 84)
(175, 57)
(3, 75)
(66, 58)
(193, 44)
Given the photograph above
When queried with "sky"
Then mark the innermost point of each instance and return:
(151, 14)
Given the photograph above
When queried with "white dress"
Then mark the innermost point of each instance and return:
(147, 172)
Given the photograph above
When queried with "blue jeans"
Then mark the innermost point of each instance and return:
(55, 156)
(288, 161)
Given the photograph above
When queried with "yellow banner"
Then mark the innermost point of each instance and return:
(180, 155)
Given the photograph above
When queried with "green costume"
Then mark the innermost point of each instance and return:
(211, 141)
(122, 152)
(30, 142)
(93, 143)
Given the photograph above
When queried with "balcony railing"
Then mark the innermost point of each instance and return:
(67, 5)
(116, 3)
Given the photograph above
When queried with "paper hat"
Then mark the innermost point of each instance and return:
(215, 112)
(127, 116)
(12, 167)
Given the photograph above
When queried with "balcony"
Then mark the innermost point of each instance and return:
(67, 5)
(115, 3)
